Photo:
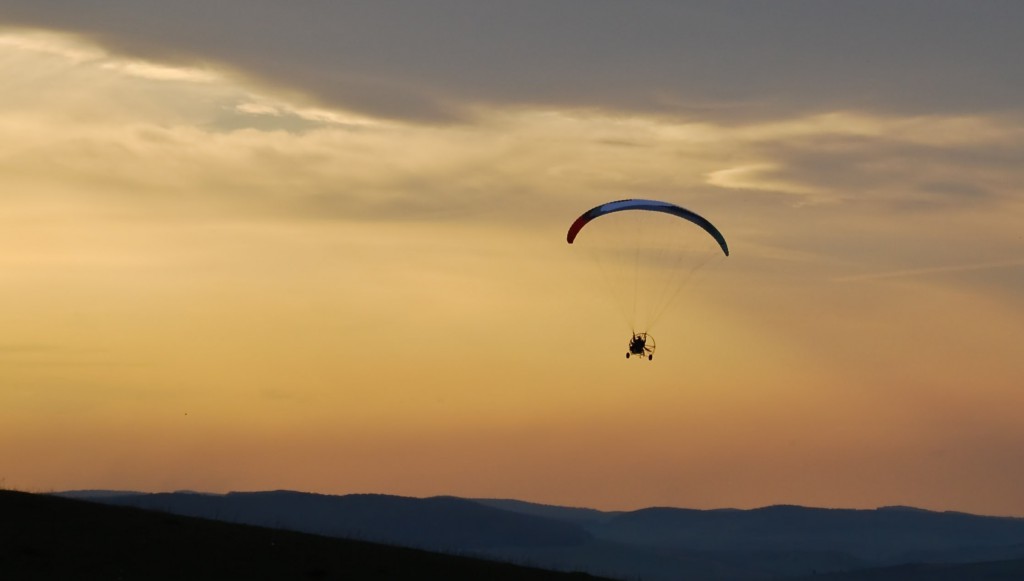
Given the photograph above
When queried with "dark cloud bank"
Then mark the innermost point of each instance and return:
(724, 60)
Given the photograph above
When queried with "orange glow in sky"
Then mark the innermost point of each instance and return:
(211, 283)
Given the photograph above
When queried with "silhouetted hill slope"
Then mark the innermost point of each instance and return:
(48, 537)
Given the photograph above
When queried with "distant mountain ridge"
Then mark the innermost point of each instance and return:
(883, 535)
(438, 523)
(653, 543)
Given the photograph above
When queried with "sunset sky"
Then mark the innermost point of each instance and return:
(320, 246)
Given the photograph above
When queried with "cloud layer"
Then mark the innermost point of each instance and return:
(721, 60)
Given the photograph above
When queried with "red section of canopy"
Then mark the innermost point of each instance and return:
(576, 227)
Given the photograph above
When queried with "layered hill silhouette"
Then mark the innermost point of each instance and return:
(653, 544)
(46, 537)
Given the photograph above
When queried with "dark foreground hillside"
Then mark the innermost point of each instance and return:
(47, 537)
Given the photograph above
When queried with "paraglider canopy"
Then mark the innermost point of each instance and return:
(651, 206)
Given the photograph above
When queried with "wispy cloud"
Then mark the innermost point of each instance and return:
(930, 270)
(72, 49)
(761, 177)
